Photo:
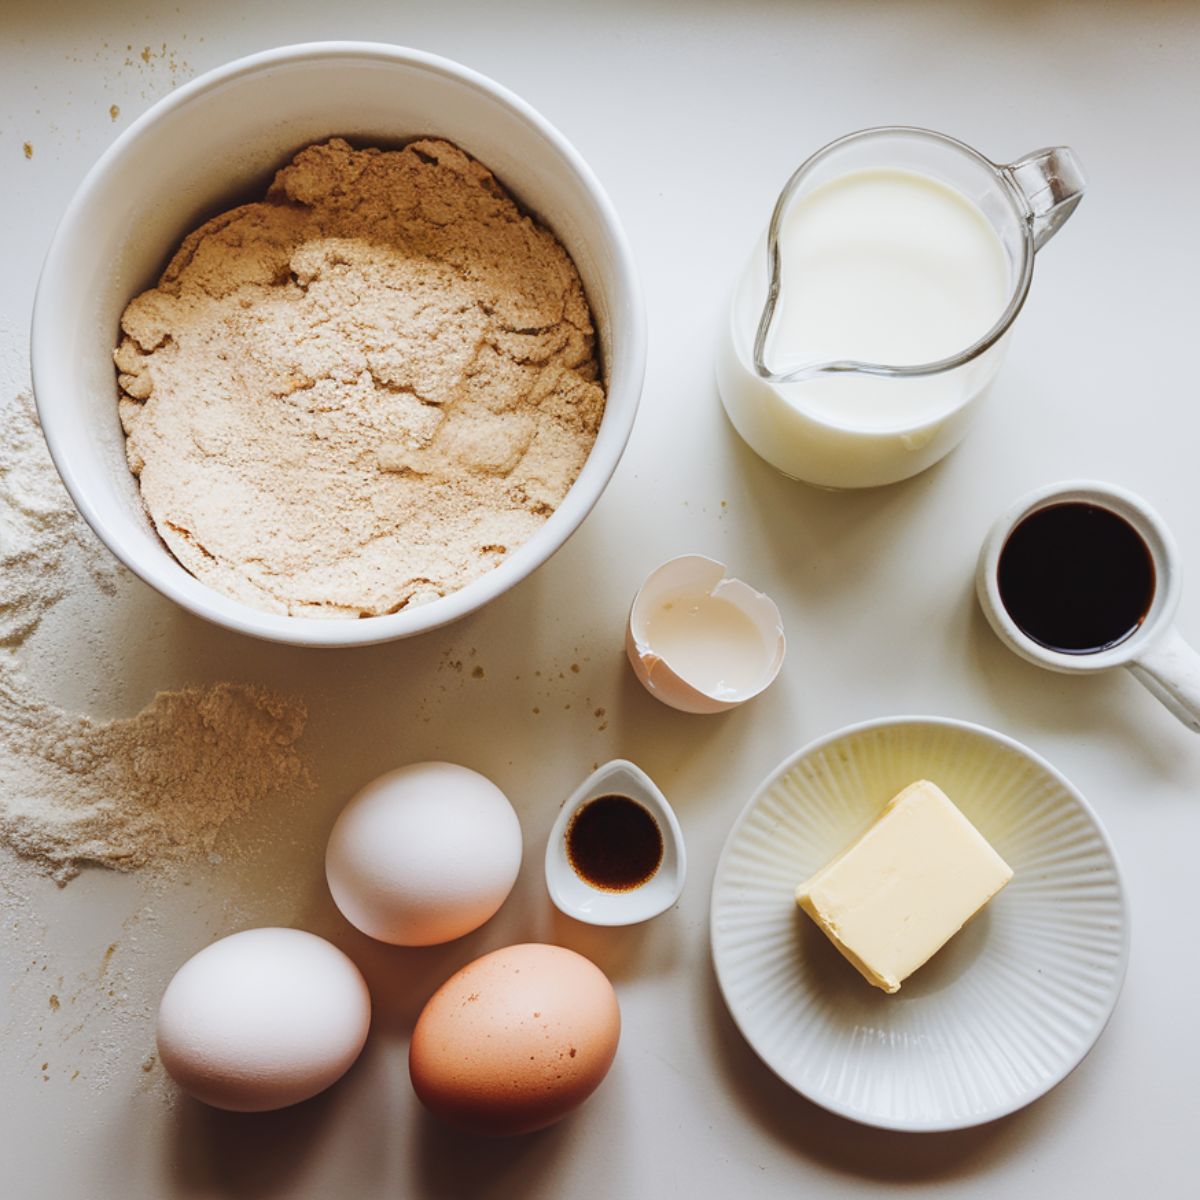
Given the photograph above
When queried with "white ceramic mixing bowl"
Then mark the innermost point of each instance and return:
(217, 141)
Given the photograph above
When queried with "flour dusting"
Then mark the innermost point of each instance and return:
(143, 791)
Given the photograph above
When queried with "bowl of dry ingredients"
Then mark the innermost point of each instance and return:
(337, 343)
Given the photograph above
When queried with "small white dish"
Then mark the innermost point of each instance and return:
(996, 1018)
(736, 650)
(579, 899)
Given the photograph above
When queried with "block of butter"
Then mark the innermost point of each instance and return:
(894, 898)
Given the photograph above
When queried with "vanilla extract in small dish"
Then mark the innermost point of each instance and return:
(614, 844)
(1076, 577)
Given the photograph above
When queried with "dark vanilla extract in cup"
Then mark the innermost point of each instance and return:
(1076, 577)
(614, 844)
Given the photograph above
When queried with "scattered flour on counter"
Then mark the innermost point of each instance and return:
(46, 549)
(144, 791)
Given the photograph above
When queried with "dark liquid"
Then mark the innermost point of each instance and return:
(614, 844)
(1076, 578)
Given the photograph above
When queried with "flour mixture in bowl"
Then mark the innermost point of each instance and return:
(364, 391)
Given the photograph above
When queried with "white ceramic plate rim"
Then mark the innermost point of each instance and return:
(818, 744)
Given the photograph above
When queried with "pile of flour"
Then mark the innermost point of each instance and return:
(364, 391)
(147, 790)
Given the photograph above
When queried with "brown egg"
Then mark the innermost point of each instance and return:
(515, 1040)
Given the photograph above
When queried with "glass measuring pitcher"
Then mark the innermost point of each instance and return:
(832, 417)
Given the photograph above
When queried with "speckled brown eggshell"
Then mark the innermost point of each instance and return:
(516, 1040)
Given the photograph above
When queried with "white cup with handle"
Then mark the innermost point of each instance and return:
(1154, 651)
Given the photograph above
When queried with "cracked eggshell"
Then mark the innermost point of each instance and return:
(698, 575)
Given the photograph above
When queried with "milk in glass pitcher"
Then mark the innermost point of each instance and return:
(876, 308)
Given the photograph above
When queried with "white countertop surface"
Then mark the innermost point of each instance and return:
(692, 116)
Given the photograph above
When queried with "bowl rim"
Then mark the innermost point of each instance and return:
(172, 579)
(816, 744)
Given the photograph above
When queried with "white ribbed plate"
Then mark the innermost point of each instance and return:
(1002, 1013)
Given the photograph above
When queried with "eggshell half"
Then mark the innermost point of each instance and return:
(263, 1019)
(516, 1040)
(694, 573)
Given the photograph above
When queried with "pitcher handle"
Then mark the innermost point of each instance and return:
(1051, 182)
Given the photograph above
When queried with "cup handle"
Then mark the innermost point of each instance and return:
(1051, 183)
(1170, 669)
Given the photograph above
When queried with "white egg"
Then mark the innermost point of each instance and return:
(263, 1019)
(424, 854)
